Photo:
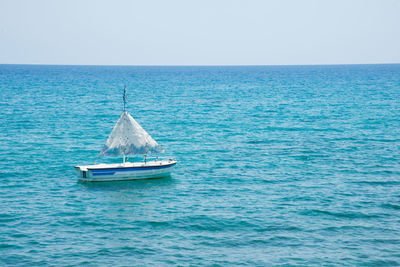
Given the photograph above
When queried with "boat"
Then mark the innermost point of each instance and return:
(126, 139)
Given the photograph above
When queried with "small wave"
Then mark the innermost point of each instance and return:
(394, 241)
(381, 262)
(274, 228)
(391, 206)
(343, 228)
(377, 182)
(9, 246)
(346, 215)
(203, 223)
(381, 140)
(304, 129)
(256, 142)
(103, 251)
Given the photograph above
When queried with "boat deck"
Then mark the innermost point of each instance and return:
(155, 163)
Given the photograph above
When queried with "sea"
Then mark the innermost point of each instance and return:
(277, 166)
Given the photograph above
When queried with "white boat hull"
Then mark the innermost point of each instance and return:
(125, 171)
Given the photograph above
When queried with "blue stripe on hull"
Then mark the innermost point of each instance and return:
(112, 171)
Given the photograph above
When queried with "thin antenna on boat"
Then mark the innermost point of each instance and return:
(124, 97)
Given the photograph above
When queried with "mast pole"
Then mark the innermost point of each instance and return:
(124, 97)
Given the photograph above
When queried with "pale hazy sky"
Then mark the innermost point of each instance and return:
(202, 32)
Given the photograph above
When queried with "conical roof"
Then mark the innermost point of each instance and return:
(129, 138)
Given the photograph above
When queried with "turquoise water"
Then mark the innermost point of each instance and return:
(285, 165)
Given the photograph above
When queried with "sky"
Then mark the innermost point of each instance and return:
(206, 32)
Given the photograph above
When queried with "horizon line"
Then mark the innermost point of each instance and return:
(195, 65)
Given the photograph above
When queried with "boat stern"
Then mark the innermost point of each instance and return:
(82, 172)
